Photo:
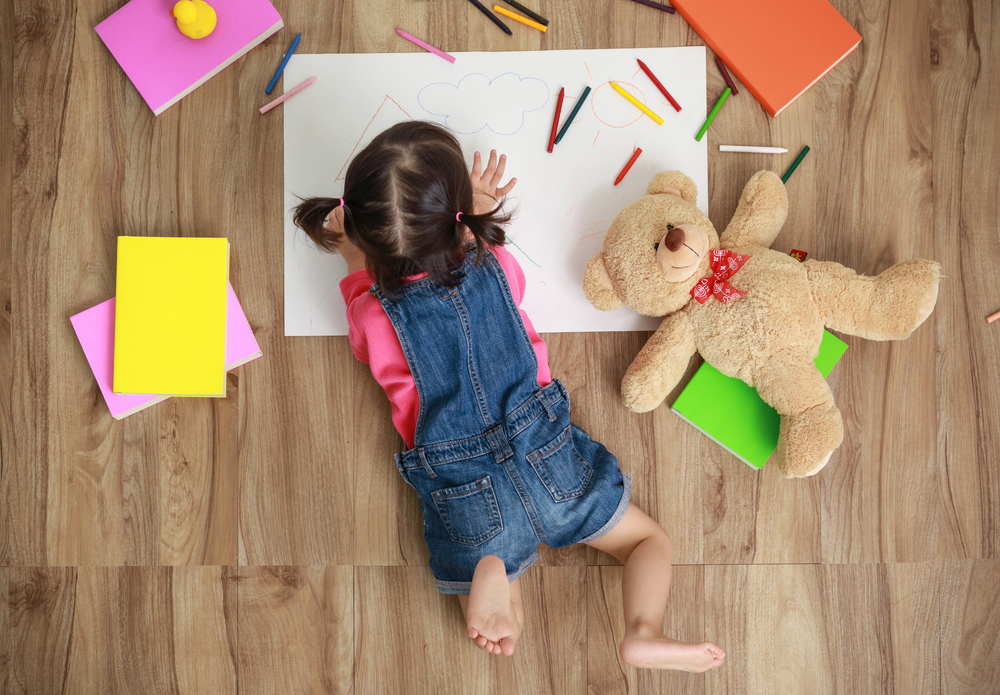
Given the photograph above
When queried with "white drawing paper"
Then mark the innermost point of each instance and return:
(563, 202)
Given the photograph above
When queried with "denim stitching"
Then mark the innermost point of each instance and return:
(473, 372)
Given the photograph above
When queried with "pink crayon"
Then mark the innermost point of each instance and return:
(425, 46)
(290, 93)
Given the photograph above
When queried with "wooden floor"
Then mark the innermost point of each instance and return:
(265, 543)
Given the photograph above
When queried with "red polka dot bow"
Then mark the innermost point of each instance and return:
(724, 266)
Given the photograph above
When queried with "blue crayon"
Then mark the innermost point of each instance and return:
(284, 62)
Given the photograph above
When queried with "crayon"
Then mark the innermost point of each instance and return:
(425, 46)
(492, 17)
(628, 165)
(518, 18)
(635, 101)
(656, 6)
(555, 121)
(650, 75)
(534, 15)
(795, 164)
(711, 116)
(287, 95)
(725, 75)
(572, 114)
(745, 148)
(284, 62)
(993, 317)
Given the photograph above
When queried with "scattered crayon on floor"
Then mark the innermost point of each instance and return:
(746, 148)
(426, 46)
(287, 95)
(795, 164)
(993, 317)
(656, 6)
(282, 64)
(518, 18)
(534, 15)
(725, 75)
(492, 17)
(711, 116)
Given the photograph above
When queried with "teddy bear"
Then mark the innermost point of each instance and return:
(751, 312)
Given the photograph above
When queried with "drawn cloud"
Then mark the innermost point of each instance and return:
(478, 102)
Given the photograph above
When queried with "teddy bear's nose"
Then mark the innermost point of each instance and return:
(674, 239)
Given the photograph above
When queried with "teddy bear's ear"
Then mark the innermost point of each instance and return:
(598, 287)
(674, 182)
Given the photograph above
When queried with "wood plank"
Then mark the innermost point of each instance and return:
(772, 622)
(5, 645)
(44, 53)
(970, 626)
(402, 619)
(6, 234)
(296, 629)
(684, 620)
(41, 606)
(296, 418)
(914, 614)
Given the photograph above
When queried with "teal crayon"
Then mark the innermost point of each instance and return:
(572, 114)
(795, 164)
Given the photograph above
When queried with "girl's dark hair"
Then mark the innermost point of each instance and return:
(401, 195)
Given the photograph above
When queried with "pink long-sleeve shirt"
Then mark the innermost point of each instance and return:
(374, 341)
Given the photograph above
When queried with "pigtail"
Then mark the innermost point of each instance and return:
(310, 216)
(487, 228)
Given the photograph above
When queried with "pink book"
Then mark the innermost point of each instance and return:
(163, 64)
(95, 329)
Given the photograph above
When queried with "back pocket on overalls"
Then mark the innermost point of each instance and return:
(559, 466)
(470, 512)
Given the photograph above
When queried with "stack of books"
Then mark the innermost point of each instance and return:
(174, 328)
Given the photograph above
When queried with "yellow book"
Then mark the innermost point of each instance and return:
(170, 316)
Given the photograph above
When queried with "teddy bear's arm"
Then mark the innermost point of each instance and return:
(761, 213)
(660, 364)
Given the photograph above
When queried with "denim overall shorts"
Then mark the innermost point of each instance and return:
(496, 462)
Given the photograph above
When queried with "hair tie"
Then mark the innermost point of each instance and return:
(458, 217)
(343, 204)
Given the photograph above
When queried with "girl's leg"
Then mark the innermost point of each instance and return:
(644, 548)
(493, 611)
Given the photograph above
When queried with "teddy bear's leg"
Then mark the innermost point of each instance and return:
(888, 306)
(811, 427)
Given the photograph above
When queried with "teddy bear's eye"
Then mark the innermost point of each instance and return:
(656, 246)
(669, 227)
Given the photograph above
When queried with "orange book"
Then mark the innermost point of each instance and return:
(777, 48)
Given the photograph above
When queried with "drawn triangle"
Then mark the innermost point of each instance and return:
(386, 115)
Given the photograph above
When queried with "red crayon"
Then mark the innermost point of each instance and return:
(555, 121)
(628, 165)
(650, 75)
(725, 75)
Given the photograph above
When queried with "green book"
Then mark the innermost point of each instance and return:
(746, 427)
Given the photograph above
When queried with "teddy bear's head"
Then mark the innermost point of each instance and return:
(655, 251)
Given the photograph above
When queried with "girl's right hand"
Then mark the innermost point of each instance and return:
(485, 194)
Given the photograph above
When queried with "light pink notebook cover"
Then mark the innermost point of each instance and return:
(163, 64)
(95, 329)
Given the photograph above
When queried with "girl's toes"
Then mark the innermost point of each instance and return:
(472, 632)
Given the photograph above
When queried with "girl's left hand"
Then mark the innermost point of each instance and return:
(485, 194)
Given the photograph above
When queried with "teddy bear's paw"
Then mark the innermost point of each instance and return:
(639, 394)
(910, 290)
(806, 441)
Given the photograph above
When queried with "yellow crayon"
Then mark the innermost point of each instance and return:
(519, 18)
(659, 121)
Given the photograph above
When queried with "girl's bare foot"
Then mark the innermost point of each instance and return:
(494, 624)
(645, 649)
